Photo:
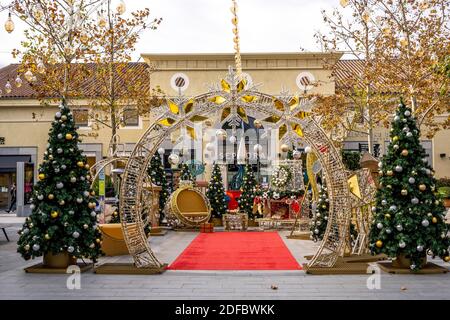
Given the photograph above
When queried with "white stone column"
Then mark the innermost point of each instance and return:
(20, 187)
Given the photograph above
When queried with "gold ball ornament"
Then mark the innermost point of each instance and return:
(422, 187)
(405, 152)
(69, 136)
(87, 166)
(63, 117)
(404, 192)
(379, 243)
(387, 216)
(390, 173)
(54, 214)
(51, 196)
(41, 176)
(434, 220)
(47, 237)
(97, 240)
(447, 259)
(92, 193)
(91, 205)
(395, 138)
(80, 164)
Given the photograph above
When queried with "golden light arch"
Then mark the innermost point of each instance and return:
(230, 99)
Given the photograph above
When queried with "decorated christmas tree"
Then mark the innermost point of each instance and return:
(158, 176)
(408, 216)
(63, 218)
(186, 174)
(216, 193)
(248, 190)
(320, 219)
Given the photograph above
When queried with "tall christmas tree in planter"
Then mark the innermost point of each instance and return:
(408, 216)
(63, 222)
(158, 176)
(320, 220)
(248, 190)
(216, 193)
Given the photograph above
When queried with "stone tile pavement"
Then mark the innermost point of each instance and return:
(16, 284)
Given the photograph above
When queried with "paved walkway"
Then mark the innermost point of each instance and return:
(16, 284)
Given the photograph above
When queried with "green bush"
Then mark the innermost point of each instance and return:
(351, 160)
(444, 192)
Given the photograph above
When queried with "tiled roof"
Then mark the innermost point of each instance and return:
(343, 72)
(90, 86)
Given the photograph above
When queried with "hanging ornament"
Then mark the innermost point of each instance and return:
(390, 173)
(41, 67)
(404, 192)
(422, 187)
(402, 244)
(398, 168)
(80, 164)
(383, 202)
(9, 24)
(379, 243)
(121, 7)
(379, 225)
(425, 223)
(174, 159)
(411, 180)
(40, 197)
(79, 200)
(387, 216)
(8, 87)
(414, 200)
(257, 148)
(41, 176)
(409, 134)
(91, 205)
(396, 118)
(69, 136)
(36, 247)
(54, 214)
(62, 202)
(59, 185)
(388, 231)
(396, 147)
(70, 249)
(18, 81)
(395, 139)
(405, 152)
(94, 214)
(75, 235)
(393, 208)
(407, 113)
(434, 220)
(419, 248)
(221, 134)
(51, 196)
(297, 155)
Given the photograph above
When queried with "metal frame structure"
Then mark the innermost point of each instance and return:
(232, 99)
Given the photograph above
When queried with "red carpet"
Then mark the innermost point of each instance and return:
(236, 251)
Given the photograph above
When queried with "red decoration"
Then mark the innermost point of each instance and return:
(234, 195)
(295, 206)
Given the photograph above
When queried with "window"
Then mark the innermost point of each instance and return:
(130, 117)
(81, 117)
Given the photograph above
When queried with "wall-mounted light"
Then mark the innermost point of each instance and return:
(442, 155)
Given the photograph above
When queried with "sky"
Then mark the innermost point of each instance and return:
(204, 26)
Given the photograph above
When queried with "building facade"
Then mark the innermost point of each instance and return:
(24, 123)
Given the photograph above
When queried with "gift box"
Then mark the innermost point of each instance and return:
(206, 228)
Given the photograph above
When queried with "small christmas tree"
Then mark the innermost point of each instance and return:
(63, 219)
(320, 218)
(408, 216)
(216, 193)
(248, 190)
(158, 176)
(186, 174)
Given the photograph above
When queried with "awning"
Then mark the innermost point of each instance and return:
(9, 163)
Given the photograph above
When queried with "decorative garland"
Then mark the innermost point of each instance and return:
(280, 177)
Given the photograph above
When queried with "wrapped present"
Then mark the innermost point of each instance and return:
(206, 227)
